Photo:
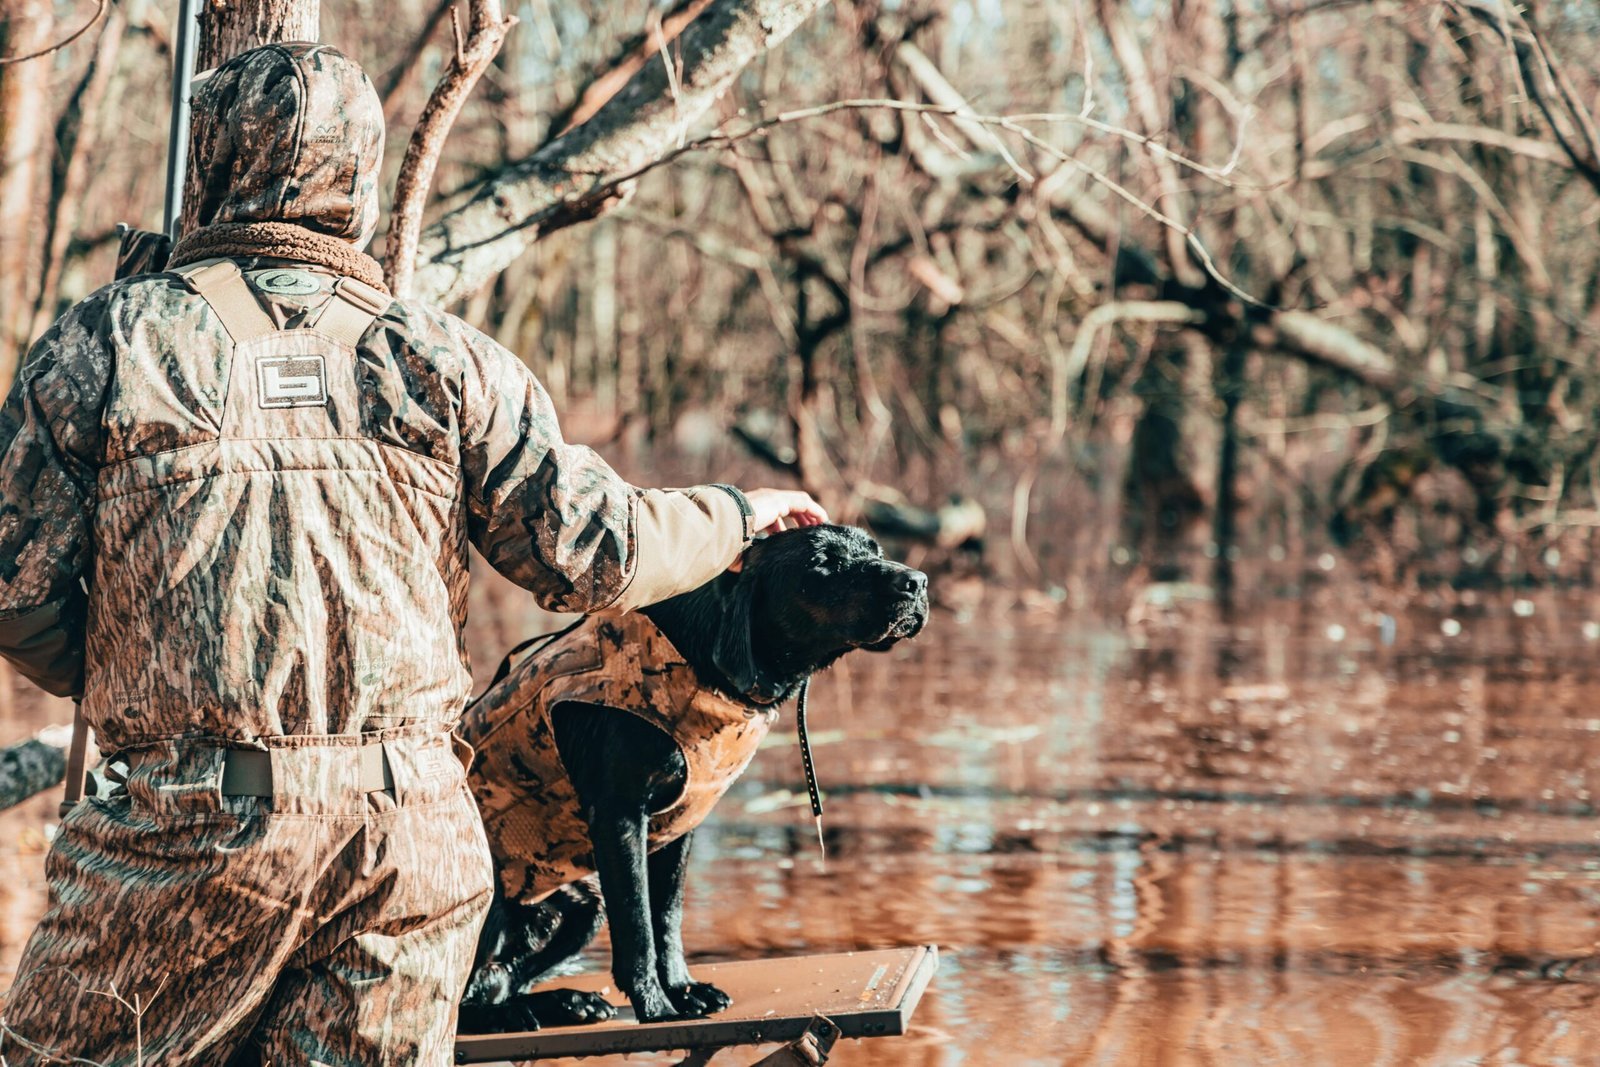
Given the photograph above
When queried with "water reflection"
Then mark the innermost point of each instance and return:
(1277, 842)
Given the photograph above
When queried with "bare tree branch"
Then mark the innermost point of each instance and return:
(405, 72)
(1148, 103)
(1314, 338)
(99, 11)
(486, 31)
(1066, 366)
(666, 26)
(1546, 81)
(579, 174)
(938, 88)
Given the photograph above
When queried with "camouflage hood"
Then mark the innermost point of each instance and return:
(287, 133)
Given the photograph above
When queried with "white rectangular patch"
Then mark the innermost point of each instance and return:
(292, 381)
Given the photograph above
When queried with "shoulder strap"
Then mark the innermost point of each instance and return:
(351, 310)
(345, 317)
(219, 283)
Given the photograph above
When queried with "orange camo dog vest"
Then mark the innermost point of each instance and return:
(530, 808)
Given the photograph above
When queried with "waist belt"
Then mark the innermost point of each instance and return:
(247, 772)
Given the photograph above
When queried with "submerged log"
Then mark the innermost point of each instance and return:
(959, 524)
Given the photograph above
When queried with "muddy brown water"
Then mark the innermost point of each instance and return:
(1318, 835)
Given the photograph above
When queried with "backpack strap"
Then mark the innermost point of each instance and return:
(353, 307)
(219, 283)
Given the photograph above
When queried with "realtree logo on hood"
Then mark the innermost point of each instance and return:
(326, 133)
(292, 381)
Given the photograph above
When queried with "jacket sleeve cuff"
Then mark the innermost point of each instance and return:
(745, 510)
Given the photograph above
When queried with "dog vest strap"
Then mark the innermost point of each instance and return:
(77, 759)
(354, 306)
(547, 638)
(219, 283)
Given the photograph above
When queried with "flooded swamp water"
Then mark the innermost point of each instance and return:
(1298, 839)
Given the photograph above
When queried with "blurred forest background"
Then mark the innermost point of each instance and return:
(1051, 291)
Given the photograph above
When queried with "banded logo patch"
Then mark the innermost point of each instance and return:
(292, 381)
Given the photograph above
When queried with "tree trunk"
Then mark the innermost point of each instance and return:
(1230, 390)
(1161, 486)
(77, 132)
(228, 27)
(24, 120)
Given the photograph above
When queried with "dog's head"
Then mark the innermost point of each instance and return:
(804, 598)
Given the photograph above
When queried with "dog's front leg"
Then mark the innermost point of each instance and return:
(667, 866)
(620, 840)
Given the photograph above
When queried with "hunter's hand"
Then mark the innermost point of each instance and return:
(783, 509)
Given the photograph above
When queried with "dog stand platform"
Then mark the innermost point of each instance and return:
(808, 1002)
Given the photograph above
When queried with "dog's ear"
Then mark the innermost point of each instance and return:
(734, 653)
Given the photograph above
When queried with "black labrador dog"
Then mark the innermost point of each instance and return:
(800, 601)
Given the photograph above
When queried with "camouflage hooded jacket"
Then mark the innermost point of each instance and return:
(192, 576)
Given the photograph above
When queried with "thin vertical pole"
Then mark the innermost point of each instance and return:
(178, 134)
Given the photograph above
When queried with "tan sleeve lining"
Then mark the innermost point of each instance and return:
(683, 538)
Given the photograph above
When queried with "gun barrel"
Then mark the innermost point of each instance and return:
(178, 133)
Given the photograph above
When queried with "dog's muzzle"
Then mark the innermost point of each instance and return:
(911, 605)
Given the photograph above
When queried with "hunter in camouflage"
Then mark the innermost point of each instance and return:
(530, 808)
(235, 508)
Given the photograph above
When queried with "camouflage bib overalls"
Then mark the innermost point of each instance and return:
(286, 897)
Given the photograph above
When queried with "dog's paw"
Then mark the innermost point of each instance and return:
(569, 1007)
(698, 998)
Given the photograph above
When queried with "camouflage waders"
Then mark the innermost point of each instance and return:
(317, 926)
(286, 894)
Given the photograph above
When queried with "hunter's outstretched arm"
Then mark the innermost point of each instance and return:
(556, 519)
